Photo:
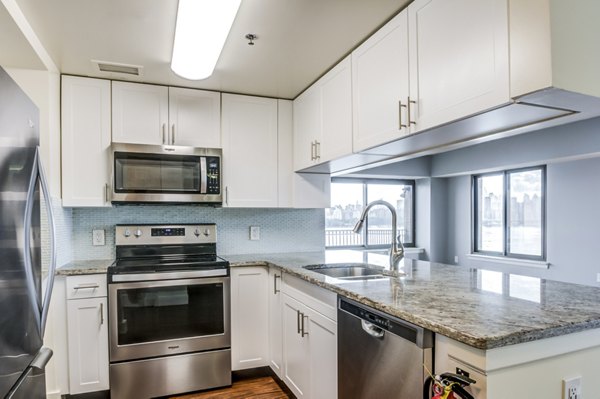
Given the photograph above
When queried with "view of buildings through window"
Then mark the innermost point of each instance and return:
(521, 194)
(349, 197)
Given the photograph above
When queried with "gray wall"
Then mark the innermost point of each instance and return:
(572, 156)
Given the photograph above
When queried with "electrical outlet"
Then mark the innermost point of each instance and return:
(98, 237)
(254, 233)
(572, 388)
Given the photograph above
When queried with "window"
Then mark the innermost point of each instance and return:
(349, 197)
(509, 213)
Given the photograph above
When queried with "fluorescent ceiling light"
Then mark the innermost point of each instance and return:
(201, 30)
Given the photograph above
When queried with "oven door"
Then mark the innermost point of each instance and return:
(158, 318)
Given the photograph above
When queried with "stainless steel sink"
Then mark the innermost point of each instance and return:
(348, 271)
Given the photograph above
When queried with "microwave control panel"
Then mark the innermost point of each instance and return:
(213, 175)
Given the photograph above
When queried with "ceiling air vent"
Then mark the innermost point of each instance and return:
(113, 67)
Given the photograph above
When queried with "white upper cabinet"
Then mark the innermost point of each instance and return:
(140, 113)
(458, 54)
(297, 190)
(160, 115)
(323, 118)
(380, 82)
(85, 119)
(249, 136)
(307, 127)
(336, 113)
(195, 117)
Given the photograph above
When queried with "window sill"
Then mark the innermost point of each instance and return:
(538, 264)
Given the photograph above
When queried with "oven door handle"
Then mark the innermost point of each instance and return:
(160, 276)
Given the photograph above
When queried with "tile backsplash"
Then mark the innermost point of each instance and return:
(281, 230)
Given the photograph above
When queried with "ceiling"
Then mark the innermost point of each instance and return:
(15, 50)
(298, 40)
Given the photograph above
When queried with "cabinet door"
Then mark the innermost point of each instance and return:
(458, 58)
(297, 190)
(249, 151)
(307, 127)
(249, 317)
(322, 334)
(140, 113)
(194, 117)
(296, 354)
(336, 113)
(85, 108)
(275, 327)
(88, 345)
(380, 85)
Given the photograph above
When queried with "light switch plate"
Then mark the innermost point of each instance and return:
(254, 233)
(98, 237)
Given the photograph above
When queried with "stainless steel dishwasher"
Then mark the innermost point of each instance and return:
(380, 356)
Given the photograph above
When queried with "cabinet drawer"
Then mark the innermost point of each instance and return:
(87, 286)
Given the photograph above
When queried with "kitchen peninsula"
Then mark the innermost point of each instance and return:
(502, 328)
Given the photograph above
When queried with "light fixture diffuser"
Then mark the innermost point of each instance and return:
(200, 33)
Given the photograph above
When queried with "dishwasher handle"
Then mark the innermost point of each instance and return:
(372, 329)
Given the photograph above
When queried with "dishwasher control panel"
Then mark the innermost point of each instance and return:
(402, 328)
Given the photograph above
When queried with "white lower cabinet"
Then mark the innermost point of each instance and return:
(87, 330)
(249, 317)
(309, 340)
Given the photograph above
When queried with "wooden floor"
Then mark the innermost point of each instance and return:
(259, 388)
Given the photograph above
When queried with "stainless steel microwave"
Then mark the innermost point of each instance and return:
(167, 174)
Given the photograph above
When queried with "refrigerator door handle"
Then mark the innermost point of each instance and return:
(29, 277)
(40, 306)
(51, 227)
(39, 362)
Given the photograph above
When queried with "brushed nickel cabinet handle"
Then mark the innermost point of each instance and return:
(304, 332)
(410, 122)
(298, 320)
(106, 193)
(275, 290)
(173, 134)
(91, 286)
(312, 150)
(226, 195)
(318, 150)
(101, 313)
(164, 133)
(400, 106)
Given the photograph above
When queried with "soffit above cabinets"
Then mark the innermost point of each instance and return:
(298, 40)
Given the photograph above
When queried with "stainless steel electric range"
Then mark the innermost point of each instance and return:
(169, 311)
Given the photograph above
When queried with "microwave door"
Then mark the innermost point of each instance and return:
(203, 178)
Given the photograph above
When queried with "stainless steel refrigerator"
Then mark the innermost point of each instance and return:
(23, 310)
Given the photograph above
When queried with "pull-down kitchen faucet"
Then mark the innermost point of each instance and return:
(397, 249)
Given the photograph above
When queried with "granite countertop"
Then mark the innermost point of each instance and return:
(79, 267)
(481, 308)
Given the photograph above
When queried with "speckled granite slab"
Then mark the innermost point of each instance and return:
(79, 267)
(480, 308)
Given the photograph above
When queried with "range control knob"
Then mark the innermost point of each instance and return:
(197, 232)
(206, 232)
(138, 233)
(127, 233)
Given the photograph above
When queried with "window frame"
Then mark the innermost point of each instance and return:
(505, 214)
(365, 182)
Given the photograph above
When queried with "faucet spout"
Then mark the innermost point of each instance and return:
(397, 249)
